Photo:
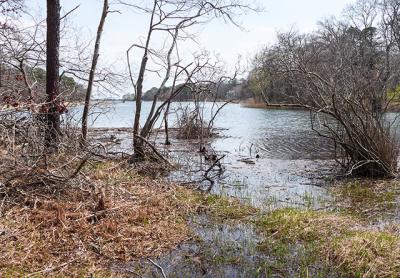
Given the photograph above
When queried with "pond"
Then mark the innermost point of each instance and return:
(272, 157)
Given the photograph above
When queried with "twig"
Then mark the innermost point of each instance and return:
(206, 177)
(159, 267)
(70, 12)
(78, 169)
(51, 269)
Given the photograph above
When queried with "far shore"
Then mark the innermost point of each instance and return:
(247, 103)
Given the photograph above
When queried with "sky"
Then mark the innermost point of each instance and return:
(259, 29)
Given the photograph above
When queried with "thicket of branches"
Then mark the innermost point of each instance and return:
(172, 20)
(44, 65)
(347, 73)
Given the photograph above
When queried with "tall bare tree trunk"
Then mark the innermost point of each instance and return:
(52, 132)
(167, 142)
(137, 140)
(1, 65)
(92, 73)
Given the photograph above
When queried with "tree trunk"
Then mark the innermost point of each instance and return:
(52, 117)
(167, 142)
(137, 141)
(92, 73)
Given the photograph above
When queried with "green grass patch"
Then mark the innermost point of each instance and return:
(327, 241)
(367, 199)
(293, 225)
(219, 208)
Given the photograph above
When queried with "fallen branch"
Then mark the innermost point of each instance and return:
(207, 178)
(159, 267)
(153, 148)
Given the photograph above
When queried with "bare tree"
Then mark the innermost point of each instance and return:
(174, 18)
(93, 71)
(53, 130)
(344, 73)
(10, 6)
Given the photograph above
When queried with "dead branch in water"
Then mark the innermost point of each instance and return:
(154, 149)
(216, 163)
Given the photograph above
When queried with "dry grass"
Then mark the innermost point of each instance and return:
(367, 253)
(112, 215)
(368, 199)
(125, 216)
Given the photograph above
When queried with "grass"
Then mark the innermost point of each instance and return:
(294, 238)
(293, 225)
(111, 215)
(217, 207)
(367, 253)
(367, 199)
(140, 219)
(328, 242)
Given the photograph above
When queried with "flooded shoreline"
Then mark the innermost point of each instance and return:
(275, 156)
(274, 162)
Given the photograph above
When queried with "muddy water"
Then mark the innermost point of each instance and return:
(272, 159)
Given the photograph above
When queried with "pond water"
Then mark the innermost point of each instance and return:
(272, 157)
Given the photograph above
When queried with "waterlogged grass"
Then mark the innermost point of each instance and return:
(146, 217)
(294, 238)
(218, 207)
(368, 199)
(321, 242)
(293, 225)
(310, 243)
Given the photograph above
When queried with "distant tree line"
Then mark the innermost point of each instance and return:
(362, 45)
(231, 89)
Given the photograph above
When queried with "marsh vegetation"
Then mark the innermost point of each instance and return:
(184, 181)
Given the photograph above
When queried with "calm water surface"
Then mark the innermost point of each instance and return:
(293, 165)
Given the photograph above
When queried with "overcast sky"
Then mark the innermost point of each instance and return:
(122, 30)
